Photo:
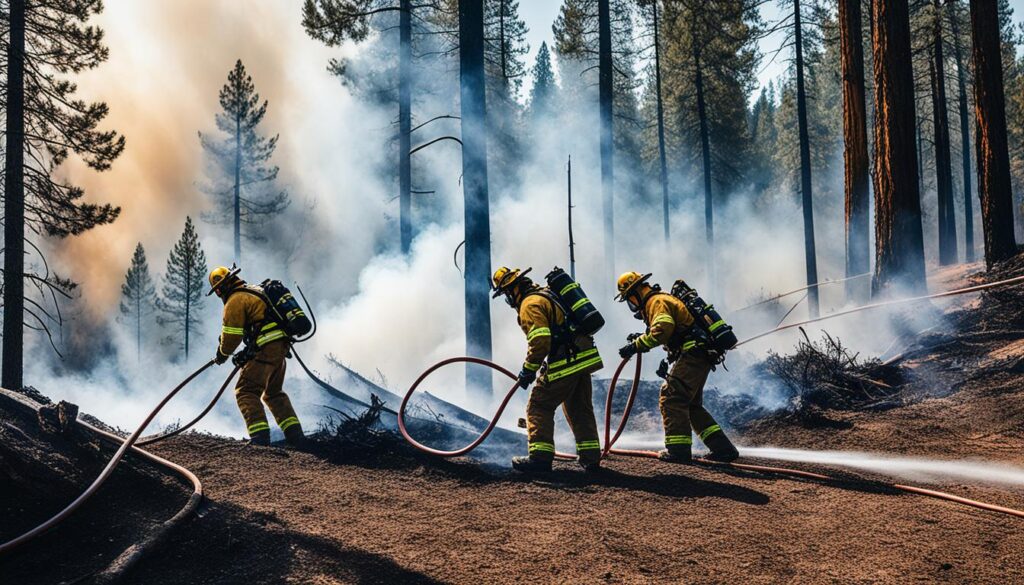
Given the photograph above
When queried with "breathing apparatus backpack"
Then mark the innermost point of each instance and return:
(285, 308)
(720, 334)
(581, 315)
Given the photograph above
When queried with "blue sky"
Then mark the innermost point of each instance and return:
(540, 14)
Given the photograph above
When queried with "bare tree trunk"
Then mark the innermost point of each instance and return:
(607, 138)
(993, 151)
(943, 162)
(805, 168)
(855, 153)
(899, 243)
(238, 193)
(705, 152)
(661, 120)
(477, 206)
(405, 125)
(572, 243)
(14, 203)
(965, 138)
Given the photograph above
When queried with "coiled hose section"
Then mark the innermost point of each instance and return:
(126, 444)
(610, 439)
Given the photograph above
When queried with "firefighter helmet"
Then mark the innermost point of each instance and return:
(222, 276)
(505, 278)
(629, 282)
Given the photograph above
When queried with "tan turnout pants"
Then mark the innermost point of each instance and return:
(263, 377)
(574, 393)
(682, 402)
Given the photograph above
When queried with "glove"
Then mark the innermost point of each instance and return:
(634, 336)
(526, 377)
(220, 358)
(627, 351)
(662, 369)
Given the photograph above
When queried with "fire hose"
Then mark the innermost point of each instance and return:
(126, 444)
(609, 439)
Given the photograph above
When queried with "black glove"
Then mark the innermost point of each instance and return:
(634, 336)
(662, 369)
(220, 358)
(526, 377)
(627, 351)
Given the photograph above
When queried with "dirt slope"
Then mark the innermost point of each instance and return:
(279, 516)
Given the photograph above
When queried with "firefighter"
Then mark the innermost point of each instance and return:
(670, 324)
(561, 364)
(262, 359)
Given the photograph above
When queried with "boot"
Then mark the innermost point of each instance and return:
(295, 437)
(722, 449)
(261, 438)
(676, 454)
(527, 464)
(591, 466)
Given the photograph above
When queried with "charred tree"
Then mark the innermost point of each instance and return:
(991, 141)
(605, 99)
(405, 125)
(477, 207)
(660, 106)
(899, 243)
(965, 136)
(705, 157)
(806, 193)
(855, 132)
(943, 163)
(14, 202)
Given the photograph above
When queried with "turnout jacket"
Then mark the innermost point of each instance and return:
(246, 319)
(668, 323)
(548, 338)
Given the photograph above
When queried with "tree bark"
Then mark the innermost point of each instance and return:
(806, 193)
(237, 215)
(477, 206)
(943, 162)
(855, 153)
(991, 141)
(14, 204)
(661, 120)
(705, 152)
(899, 249)
(405, 125)
(965, 138)
(605, 98)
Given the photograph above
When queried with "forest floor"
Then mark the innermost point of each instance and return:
(280, 516)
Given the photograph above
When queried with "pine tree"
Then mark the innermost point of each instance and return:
(545, 89)
(242, 179)
(138, 295)
(184, 283)
(505, 49)
(45, 123)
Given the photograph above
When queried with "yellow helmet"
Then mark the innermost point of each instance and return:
(504, 278)
(221, 276)
(628, 282)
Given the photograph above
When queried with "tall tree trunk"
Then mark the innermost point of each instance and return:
(855, 153)
(805, 168)
(238, 192)
(572, 242)
(705, 154)
(993, 151)
(899, 243)
(405, 125)
(477, 207)
(965, 137)
(943, 159)
(501, 41)
(605, 97)
(661, 120)
(14, 203)
(138, 327)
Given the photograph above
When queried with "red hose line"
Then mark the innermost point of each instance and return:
(109, 469)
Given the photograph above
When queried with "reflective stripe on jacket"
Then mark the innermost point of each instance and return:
(540, 319)
(664, 315)
(244, 312)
